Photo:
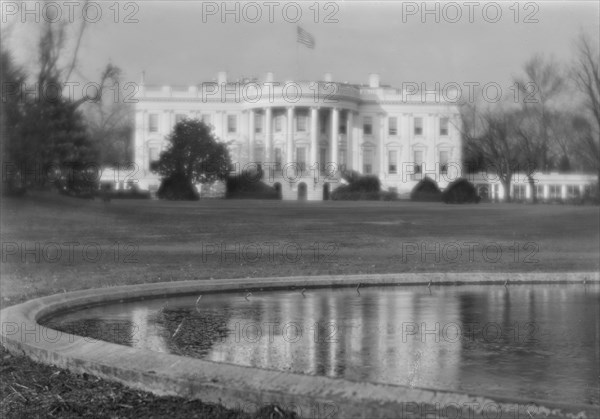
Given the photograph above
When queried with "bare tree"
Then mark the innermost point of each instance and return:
(586, 74)
(111, 125)
(489, 138)
(540, 87)
(57, 63)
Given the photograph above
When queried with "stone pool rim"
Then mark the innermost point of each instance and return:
(236, 386)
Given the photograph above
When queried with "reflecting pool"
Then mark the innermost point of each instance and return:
(526, 341)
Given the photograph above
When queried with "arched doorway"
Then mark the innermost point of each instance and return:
(302, 191)
(325, 191)
(277, 187)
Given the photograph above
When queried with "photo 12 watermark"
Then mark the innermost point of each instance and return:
(470, 12)
(69, 252)
(274, 252)
(70, 11)
(469, 252)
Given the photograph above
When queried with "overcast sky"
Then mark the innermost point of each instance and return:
(177, 44)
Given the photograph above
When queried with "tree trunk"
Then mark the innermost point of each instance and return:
(533, 190)
(506, 186)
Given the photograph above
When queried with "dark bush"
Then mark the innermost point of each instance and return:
(344, 194)
(249, 186)
(13, 189)
(426, 190)
(177, 188)
(132, 193)
(461, 191)
(361, 188)
(360, 183)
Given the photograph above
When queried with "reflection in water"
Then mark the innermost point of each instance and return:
(539, 342)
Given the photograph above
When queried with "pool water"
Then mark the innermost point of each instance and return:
(526, 341)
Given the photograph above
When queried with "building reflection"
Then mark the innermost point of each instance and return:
(338, 334)
(537, 342)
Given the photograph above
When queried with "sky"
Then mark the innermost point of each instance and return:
(180, 43)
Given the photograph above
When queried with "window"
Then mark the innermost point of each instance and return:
(368, 125)
(519, 192)
(301, 158)
(368, 161)
(206, 119)
(342, 129)
(258, 122)
(572, 191)
(418, 161)
(443, 162)
(323, 123)
(539, 191)
(153, 122)
(179, 117)
(393, 126)
(444, 126)
(278, 158)
(231, 123)
(343, 160)
(301, 123)
(554, 191)
(259, 152)
(419, 126)
(323, 158)
(278, 123)
(392, 161)
(153, 154)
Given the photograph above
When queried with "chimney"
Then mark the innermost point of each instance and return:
(373, 80)
(222, 77)
(327, 77)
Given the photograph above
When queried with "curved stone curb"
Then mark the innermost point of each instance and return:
(250, 388)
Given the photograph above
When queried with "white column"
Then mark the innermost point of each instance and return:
(224, 125)
(356, 142)
(349, 140)
(289, 154)
(381, 127)
(140, 139)
(268, 133)
(335, 126)
(314, 119)
(251, 134)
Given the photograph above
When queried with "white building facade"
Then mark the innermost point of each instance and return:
(303, 135)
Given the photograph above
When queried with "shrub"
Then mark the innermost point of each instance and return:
(249, 186)
(426, 190)
(177, 188)
(130, 194)
(460, 191)
(344, 194)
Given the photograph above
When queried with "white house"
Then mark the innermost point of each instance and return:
(287, 127)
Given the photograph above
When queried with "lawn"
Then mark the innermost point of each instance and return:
(53, 244)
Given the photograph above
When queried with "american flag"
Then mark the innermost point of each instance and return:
(305, 38)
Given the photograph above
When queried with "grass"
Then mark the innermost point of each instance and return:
(150, 241)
